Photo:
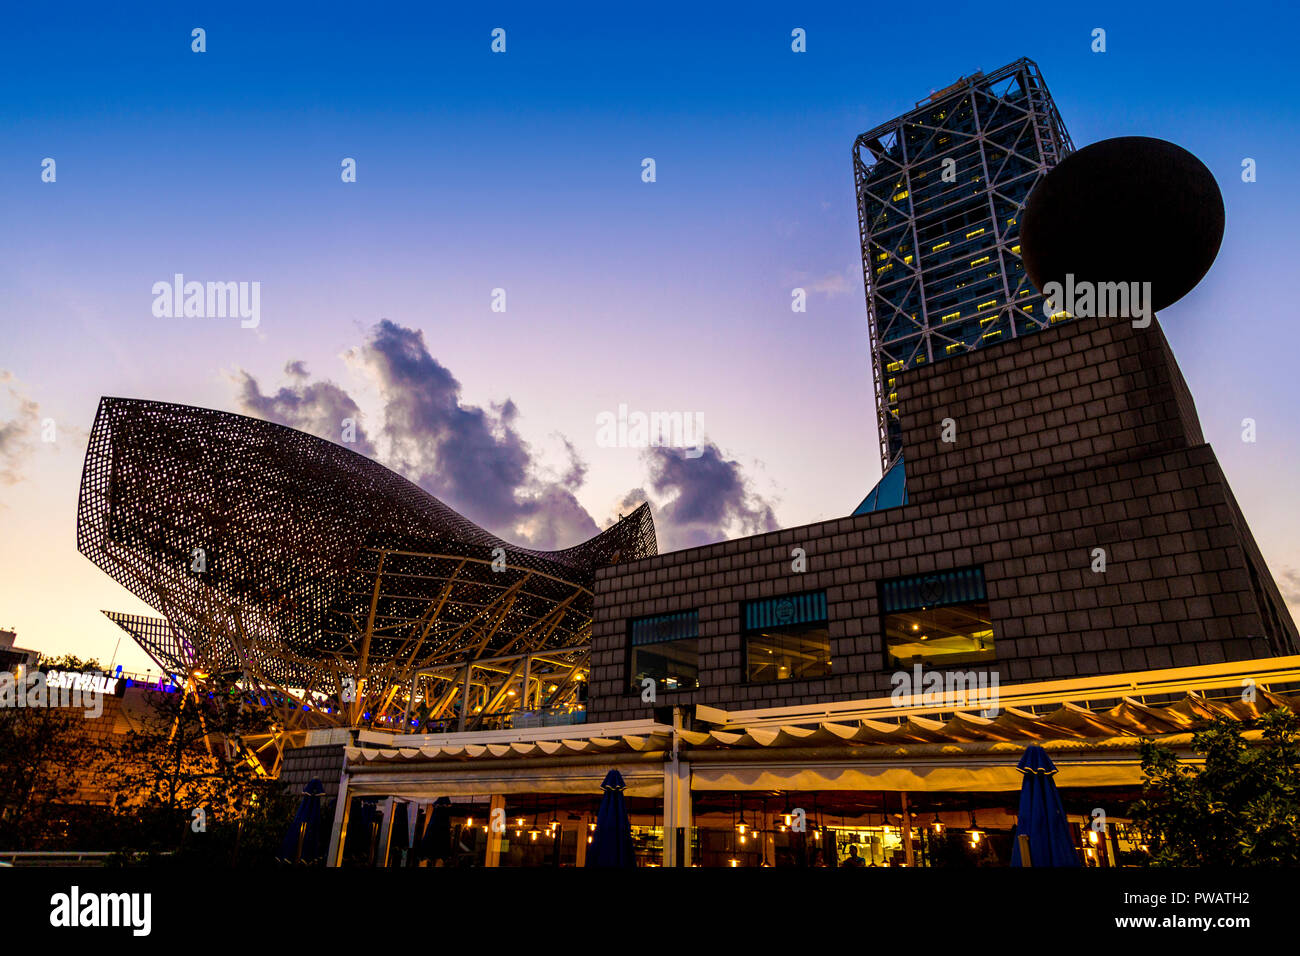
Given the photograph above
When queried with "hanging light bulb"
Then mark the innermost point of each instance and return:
(975, 832)
(937, 825)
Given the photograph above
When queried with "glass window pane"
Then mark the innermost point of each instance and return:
(955, 634)
(672, 665)
(791, 653)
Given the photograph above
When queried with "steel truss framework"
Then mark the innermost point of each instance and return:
(342, 592)
(939, 194)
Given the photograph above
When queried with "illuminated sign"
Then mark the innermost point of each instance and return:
(88, 682)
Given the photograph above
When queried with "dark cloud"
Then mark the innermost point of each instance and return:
(17, 434)
(320, 408)
(708, 498)
(474, 459)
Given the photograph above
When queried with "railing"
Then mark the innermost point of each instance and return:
(54, 857)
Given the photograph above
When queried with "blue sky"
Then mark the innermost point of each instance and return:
(522, 171)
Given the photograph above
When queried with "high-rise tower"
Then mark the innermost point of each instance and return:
(939, 196)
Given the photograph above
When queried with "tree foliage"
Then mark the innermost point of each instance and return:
(1241, 809)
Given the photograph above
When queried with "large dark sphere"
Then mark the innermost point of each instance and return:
(1129, 209)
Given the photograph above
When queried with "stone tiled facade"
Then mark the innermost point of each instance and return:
(321, 762)
(1080, 437)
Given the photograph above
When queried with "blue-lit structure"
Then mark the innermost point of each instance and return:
(890, 491)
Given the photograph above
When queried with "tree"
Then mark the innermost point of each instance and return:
(69, 662)
(46, 758)
(193, 787)
(1241, 809)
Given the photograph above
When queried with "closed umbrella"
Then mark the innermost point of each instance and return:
(436, 844)
(1041, 817)
(303, 844)
(611, 845)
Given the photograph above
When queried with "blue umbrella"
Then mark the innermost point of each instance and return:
(436, 844)
(612, 843)
(1041, 817)
(302, 844)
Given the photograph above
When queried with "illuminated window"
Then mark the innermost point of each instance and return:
(902, 195)
(937, 618)
(977, 232)
(996, 333)
(985, 305)
(950, 315)
(954, 347)
(942, 245)
(1016, 248)
(787, 638)
(665, 648)
(980, 261)
(894, 367)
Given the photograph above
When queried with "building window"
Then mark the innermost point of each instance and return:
(787, 638)
(666, 649)
(937, 619)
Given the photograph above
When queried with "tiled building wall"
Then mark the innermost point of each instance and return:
(1080, 437)
(300, 765)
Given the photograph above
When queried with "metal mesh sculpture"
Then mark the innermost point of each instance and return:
(343, 591)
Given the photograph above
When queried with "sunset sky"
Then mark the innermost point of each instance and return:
(522, 171)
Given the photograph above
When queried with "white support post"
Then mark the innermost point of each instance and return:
(339, 829)
(386, 831)
(495, 841)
